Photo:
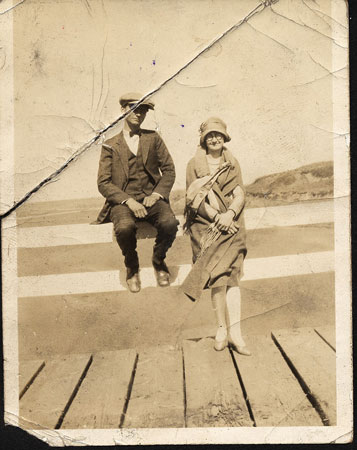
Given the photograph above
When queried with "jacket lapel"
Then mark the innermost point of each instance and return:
(222, 179)
(201, 165)
(120, 146)
(229, 179)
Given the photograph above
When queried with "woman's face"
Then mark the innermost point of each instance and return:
(214, 142)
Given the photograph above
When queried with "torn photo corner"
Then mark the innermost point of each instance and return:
(115, 332)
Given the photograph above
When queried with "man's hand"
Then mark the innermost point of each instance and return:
(138, 209)
(224, 221)
(151, 199)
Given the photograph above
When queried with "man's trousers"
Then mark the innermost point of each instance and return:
(160, 216)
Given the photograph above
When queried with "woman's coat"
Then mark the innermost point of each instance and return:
(222, 263)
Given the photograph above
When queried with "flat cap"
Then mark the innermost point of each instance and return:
(134, 97)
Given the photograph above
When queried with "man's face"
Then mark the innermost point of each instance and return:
(136, 118)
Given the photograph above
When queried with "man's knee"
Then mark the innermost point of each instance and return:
(168, 225)
(123, 222)
(124, 230)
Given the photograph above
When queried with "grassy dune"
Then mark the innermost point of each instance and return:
(312, 182)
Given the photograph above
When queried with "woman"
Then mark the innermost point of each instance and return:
(214, 219)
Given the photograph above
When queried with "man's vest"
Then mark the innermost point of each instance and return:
(140, 184)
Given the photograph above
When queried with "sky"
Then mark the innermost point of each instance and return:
(269, 79)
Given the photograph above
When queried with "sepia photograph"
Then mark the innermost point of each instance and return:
(175, 212)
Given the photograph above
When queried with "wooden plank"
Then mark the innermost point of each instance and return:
(214, 396)
(328, 334)
(43, 404)
(28, 371)
(101, 398)
(314, 363)
(274, 394)
(157, 397)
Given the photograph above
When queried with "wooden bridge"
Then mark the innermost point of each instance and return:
(290, 380)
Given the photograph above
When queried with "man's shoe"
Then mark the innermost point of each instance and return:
(163, 278)
(162, 274)
(134, 283)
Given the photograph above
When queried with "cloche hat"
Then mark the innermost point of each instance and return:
(213, 124)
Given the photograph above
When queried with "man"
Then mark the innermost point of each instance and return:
(135, 175)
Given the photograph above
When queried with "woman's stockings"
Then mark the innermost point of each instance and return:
(234, 315)
(218, 296)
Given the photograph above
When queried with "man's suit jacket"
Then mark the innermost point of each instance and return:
(114, 169)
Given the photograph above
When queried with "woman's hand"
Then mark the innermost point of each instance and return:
(224, 221)
(233, 228)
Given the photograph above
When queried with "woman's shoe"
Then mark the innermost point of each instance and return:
(241, 349)
(220, 345)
